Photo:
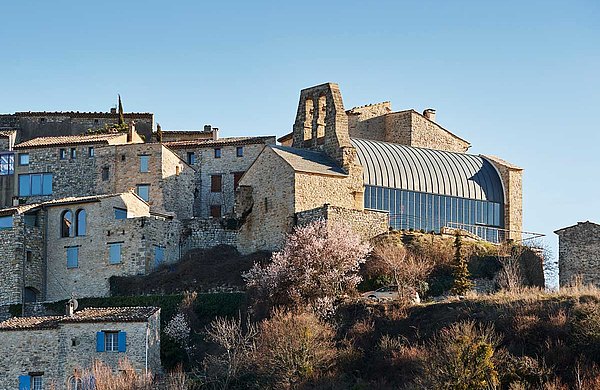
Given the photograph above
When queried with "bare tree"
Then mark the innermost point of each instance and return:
(407, 270)
(510, 276)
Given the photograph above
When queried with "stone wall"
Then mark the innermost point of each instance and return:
(60, 353)
(368, 122)
(14, 261)
(46, 124)
(228, 165)
(579, 253)
(271, 181)
(139, 236)
(312, 190)
(367, 224)
(204, 233)
(512, 180)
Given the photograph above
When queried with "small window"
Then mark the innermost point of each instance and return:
(144, 160)
(74, 382)
(120, 213)
(105, 174)
(23, 159)
(36, 381)
(217, 152)
(42, 119)
(191, 158)
(91, 151)
(215, 211)
(159, 255)
(216, 183)
(81, 218)
(143, 191)
(123, 158)
(6, 222)
(73, 153)
(72, 257)
(62, 154)
(114, 253)
(95, 120)
(111, 341)
(239, 151)
(66, 224)
(29, 256)
(237, 176)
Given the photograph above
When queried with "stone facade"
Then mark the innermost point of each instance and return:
(512, 180)
(205, 233)
(366, 223)
(51, 124)
(22, 255)
(139, 237)
(579, 253)
(230, 166)
(68, 348)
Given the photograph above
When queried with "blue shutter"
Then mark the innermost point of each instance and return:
(100, 342)
(24, 382)
(122, 341)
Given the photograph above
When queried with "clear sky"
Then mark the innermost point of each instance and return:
(518, 79)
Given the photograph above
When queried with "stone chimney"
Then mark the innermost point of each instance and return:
(71, 306)
(15, 201)
(130, 131)
(113, 110)
(429, 113)
(215, 133)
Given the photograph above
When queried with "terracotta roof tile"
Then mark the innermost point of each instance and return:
(7, 133)
(104, 314)
(229, 141)
(68, 140)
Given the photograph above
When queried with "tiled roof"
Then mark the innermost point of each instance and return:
(229, 141)
(286, 137)
(88, 114)
(105, 314)
(579, 225)
(68, 140)
(304, 160)
(202, 132)
(18, 209)
(78, 199)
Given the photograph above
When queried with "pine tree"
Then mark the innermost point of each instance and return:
(121, 118)
(462, 282)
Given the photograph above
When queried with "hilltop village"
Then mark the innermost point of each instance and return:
(89, 196)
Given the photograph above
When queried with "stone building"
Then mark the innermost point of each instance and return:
(22, 254)
(83, 165)
(219, 164)
(73, 246)
(579, 253)
(7, 167)
(58, 351)
(208, 133)
(30, 125)
(370, 158)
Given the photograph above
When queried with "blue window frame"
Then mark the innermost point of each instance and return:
(111, 341)
(114, 253)
(7, 164)
(144, 163)
(120, 213)
(72, 257)
(143, 191)
(191, 158)
(239, 151)
(35, 184)
(159, 255)
(81, 226)
(217, 152)
(23, 159)
(6, 222)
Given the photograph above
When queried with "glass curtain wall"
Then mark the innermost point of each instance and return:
(431, 212)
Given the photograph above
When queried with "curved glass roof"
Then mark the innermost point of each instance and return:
(428, 170)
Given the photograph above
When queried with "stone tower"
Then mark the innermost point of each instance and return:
(322, 124)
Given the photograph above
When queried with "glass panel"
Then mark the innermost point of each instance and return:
(490, 211)
(47, 184)
(386, 199)
(36, 184)
(24, 159)
(81, 222)
(114, 253)
(379, 198)
(66, 229)
(24, 185)
(143, 191)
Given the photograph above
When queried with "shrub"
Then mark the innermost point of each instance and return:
(294, 348)
(462, 282)
(462, 358)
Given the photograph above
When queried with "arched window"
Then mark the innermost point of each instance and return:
(66, 224)
(75, 383)
(81, 218)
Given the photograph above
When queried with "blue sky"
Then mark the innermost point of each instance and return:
(517, 79)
